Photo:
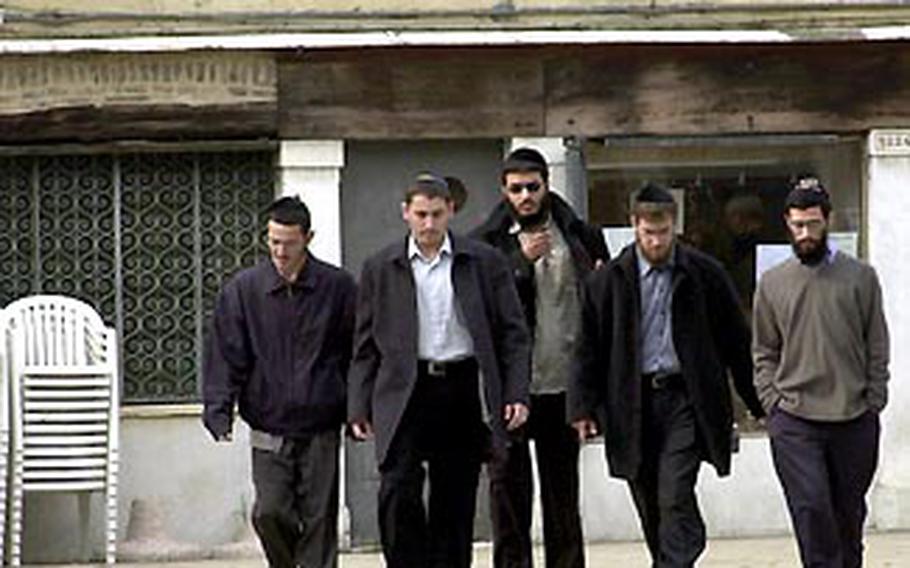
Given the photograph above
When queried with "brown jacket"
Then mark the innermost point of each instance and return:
(821, 341)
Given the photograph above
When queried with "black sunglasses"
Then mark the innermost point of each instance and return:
(531, 186)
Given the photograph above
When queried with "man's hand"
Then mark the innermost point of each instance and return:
(515, 415)
(226, 437)
(586, 429)
(534, 244)
(361, 430)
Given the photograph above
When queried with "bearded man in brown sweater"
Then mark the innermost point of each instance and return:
(820, 347)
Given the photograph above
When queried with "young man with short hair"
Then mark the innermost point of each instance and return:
(440, 374)
(279, 347)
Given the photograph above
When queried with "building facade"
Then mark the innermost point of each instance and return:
(140, 144)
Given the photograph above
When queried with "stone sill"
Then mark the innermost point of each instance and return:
(158, 411)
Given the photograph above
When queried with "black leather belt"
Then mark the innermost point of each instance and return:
(662, 380)
(446, 368)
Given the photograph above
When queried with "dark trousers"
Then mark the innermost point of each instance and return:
(825, 469)
(664, 490)
(296, 508)
(512, 491)
(442, 427)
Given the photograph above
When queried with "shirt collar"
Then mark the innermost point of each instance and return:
(306, 280)
(516, 226)
(414, 250)
(832, 252)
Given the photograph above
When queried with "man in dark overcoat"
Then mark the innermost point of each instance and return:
(661, 328)
(439, 374)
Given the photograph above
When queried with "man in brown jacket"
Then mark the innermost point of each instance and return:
(821, 370)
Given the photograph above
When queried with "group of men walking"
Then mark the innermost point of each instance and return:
(455, 351)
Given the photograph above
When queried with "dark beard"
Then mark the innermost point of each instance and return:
(814, 256)
(535, 219)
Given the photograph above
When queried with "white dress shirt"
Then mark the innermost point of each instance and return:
(442, 333)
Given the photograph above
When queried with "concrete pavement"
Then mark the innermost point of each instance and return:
(883, 550)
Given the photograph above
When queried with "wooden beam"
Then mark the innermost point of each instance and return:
(446, 93)
(728, 89)
(595, 91)
(140, 122)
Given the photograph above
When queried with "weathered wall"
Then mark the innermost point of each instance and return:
(110, 96)
(446, 93)
(594, 91)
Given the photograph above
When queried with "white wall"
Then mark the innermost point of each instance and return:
(201, 489)
(889, 252)
(312, 170)
(748, 502)
(180, 495)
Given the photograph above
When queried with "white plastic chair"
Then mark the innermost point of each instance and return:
(4, 431)
(65, 404)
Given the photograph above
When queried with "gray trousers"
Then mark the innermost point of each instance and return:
(296, 509)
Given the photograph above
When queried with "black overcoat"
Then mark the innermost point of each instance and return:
(710, 335)
(384, 367)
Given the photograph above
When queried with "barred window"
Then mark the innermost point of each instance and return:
(146, 238)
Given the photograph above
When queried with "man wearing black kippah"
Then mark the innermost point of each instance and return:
(550, 252)
(821, 370)
(661, 328)
(279, 347)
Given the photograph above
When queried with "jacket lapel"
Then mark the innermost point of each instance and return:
(628, 264)
(466, 293)
(403, 281)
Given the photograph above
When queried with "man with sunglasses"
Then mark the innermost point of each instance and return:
(550, 251)
(820, 348)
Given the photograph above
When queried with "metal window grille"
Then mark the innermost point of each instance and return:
(147, 238)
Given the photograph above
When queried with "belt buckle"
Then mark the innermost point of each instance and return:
(659, 381)
(436, 368)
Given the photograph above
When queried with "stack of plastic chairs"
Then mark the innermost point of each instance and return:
(5, 379)
(64, 382)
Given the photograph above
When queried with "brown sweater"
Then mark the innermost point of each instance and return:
(820, 340)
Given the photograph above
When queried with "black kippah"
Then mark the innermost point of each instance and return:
(808, 192)
(526, 160)
(653, 193)
(431, 181)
